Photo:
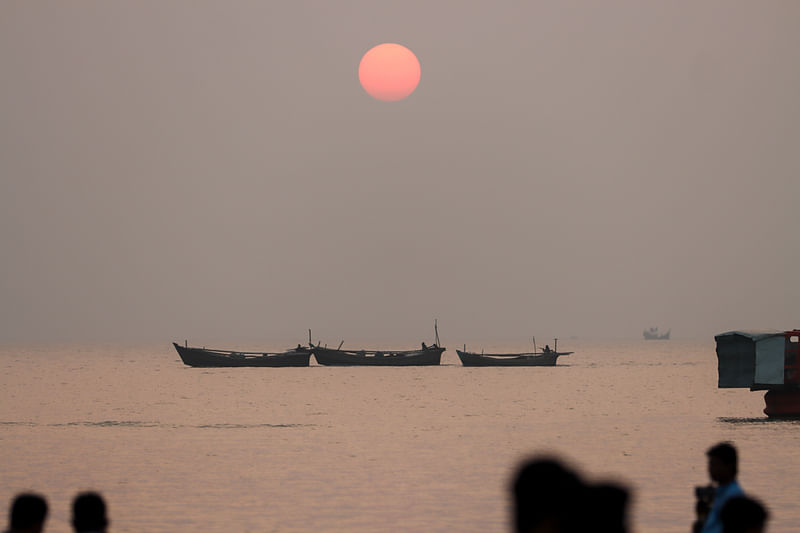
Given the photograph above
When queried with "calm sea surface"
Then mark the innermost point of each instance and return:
(175, 448)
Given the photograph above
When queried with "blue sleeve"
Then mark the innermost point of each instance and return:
(713, 523)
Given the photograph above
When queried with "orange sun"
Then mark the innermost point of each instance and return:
(389, 72)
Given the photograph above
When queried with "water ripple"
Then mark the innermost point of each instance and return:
(759, 421)
(142, 424)
(250, 426)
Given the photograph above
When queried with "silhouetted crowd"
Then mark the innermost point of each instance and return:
(28, 513)
(548, 496)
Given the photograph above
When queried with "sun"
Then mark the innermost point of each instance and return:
(389, 72)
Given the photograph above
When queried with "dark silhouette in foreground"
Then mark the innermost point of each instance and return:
(89, 513)
(606, 509)
(722, 469)
(741, 514)
(551, 498)
(27, 514)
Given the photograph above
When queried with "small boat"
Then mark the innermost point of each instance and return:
(509, 359)
(652, 334)
(207, 357)
(425, 356)
(546, 357)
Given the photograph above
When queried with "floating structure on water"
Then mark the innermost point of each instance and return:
(763, 360)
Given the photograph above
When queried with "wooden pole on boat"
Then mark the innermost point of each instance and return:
(555, 349)
(534, 344)
(309, 336)
(436, 329)
(340, 345)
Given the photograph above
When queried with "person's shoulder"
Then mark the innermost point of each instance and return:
(732, 489)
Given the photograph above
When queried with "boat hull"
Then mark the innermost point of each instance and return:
(477, 359)
(330, 357)
(200, 357)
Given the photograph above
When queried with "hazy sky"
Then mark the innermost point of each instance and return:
(213, 170)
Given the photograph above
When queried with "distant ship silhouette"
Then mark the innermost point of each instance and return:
(652, 334)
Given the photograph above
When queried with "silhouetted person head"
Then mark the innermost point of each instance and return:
(28, 513)
(89, 513)
(722, 463)
(743, 515)
(546, 497)
(604, 507)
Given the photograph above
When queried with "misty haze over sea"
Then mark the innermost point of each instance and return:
(210, 170)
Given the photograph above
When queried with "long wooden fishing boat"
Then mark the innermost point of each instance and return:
(546, 357)
(510, 359)
(427, 355)
(207, 357)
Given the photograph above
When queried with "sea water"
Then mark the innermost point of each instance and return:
(370, 449)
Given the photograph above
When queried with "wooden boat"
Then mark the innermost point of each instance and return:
(427, 355)
(509, 359)
(546, 357)
(207, 357)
